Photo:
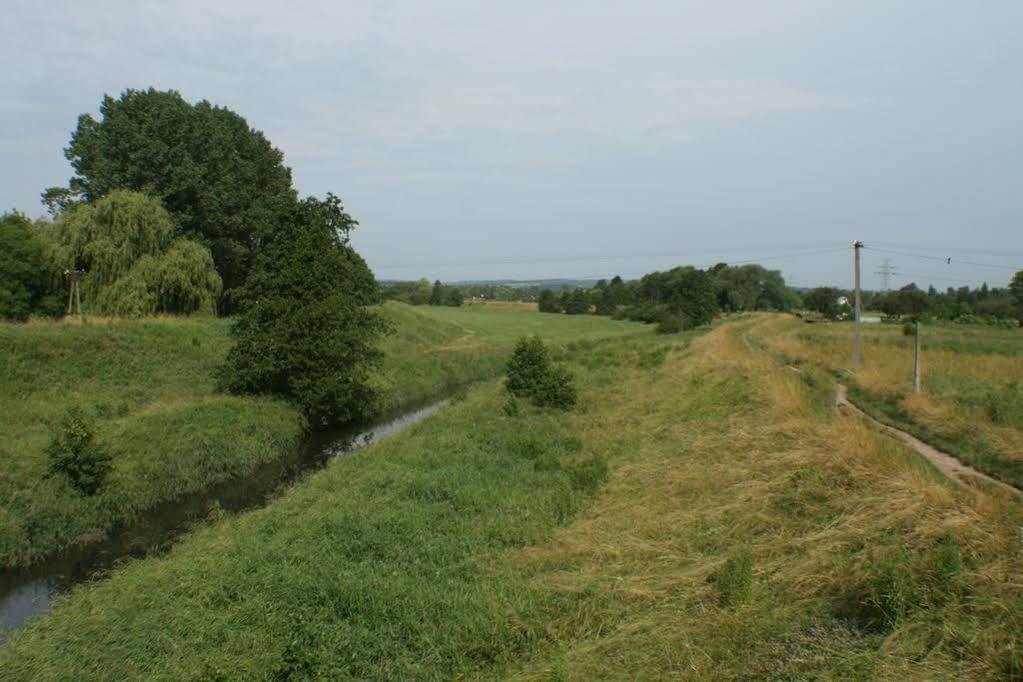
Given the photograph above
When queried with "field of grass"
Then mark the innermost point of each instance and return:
(702, 513)
(148, 387)
(440, 347)
(971, 402)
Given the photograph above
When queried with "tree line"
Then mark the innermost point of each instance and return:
(687, 297)
(177, 207)
(980, 305)
(421, 292)
(681, 298)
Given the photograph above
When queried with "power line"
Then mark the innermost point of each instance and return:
(947, 259)
(944, 279)
(952, 248)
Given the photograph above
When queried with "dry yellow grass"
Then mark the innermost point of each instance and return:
(959, 384)
(725, 449)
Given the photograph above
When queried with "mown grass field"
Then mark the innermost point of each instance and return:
(741, 528)
(971, 403)
(148, 385)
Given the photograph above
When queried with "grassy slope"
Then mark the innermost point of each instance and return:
(971, 404)
(467, 546)
(149, 387)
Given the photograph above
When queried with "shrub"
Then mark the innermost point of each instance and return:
(528, 366)
(74, 454)
(669, 324)
(531, 375)
(556, 389)
(734, 580)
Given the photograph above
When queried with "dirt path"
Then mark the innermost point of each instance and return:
(945, 463)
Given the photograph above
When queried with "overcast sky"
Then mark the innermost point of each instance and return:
(542, 139)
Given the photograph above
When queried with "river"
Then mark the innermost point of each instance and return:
(29, 592)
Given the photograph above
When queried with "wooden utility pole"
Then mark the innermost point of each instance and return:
(74, 295)
(857, 245)
(916, 360)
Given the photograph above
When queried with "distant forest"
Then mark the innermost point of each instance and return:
(686, 296)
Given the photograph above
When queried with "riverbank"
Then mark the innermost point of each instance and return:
(148, 388)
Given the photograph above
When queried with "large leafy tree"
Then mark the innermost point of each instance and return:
(133, 262)
(548, 302)
(221, 180)
(686, 291)
(752, 287)
(25, 279)
(306, 331)
(824, 300)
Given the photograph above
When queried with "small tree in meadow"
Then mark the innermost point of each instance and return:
(531, 375)
(74, 455)
(528, 366)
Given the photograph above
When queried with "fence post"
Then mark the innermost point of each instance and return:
(916, 360)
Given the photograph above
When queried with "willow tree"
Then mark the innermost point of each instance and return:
(134, 263)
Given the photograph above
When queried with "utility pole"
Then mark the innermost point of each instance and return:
(74, 295)
(857, 358)
(916, 360)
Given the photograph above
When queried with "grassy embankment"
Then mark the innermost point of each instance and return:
(148, 386)
(971, 403)
(745, 530)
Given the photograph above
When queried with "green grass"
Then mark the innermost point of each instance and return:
(970, 405)
(696, 516)
(148, 387)
(378, 566)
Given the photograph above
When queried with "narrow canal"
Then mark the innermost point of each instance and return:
(29, 592)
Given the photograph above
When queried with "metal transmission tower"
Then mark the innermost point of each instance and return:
(886, 270)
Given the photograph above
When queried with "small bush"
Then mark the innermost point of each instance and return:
(556, 389)
(74, 454)
(669, 324)
(528, 366)
(531, 375)
(734, 580)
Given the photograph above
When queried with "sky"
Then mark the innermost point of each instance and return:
(575, 138)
